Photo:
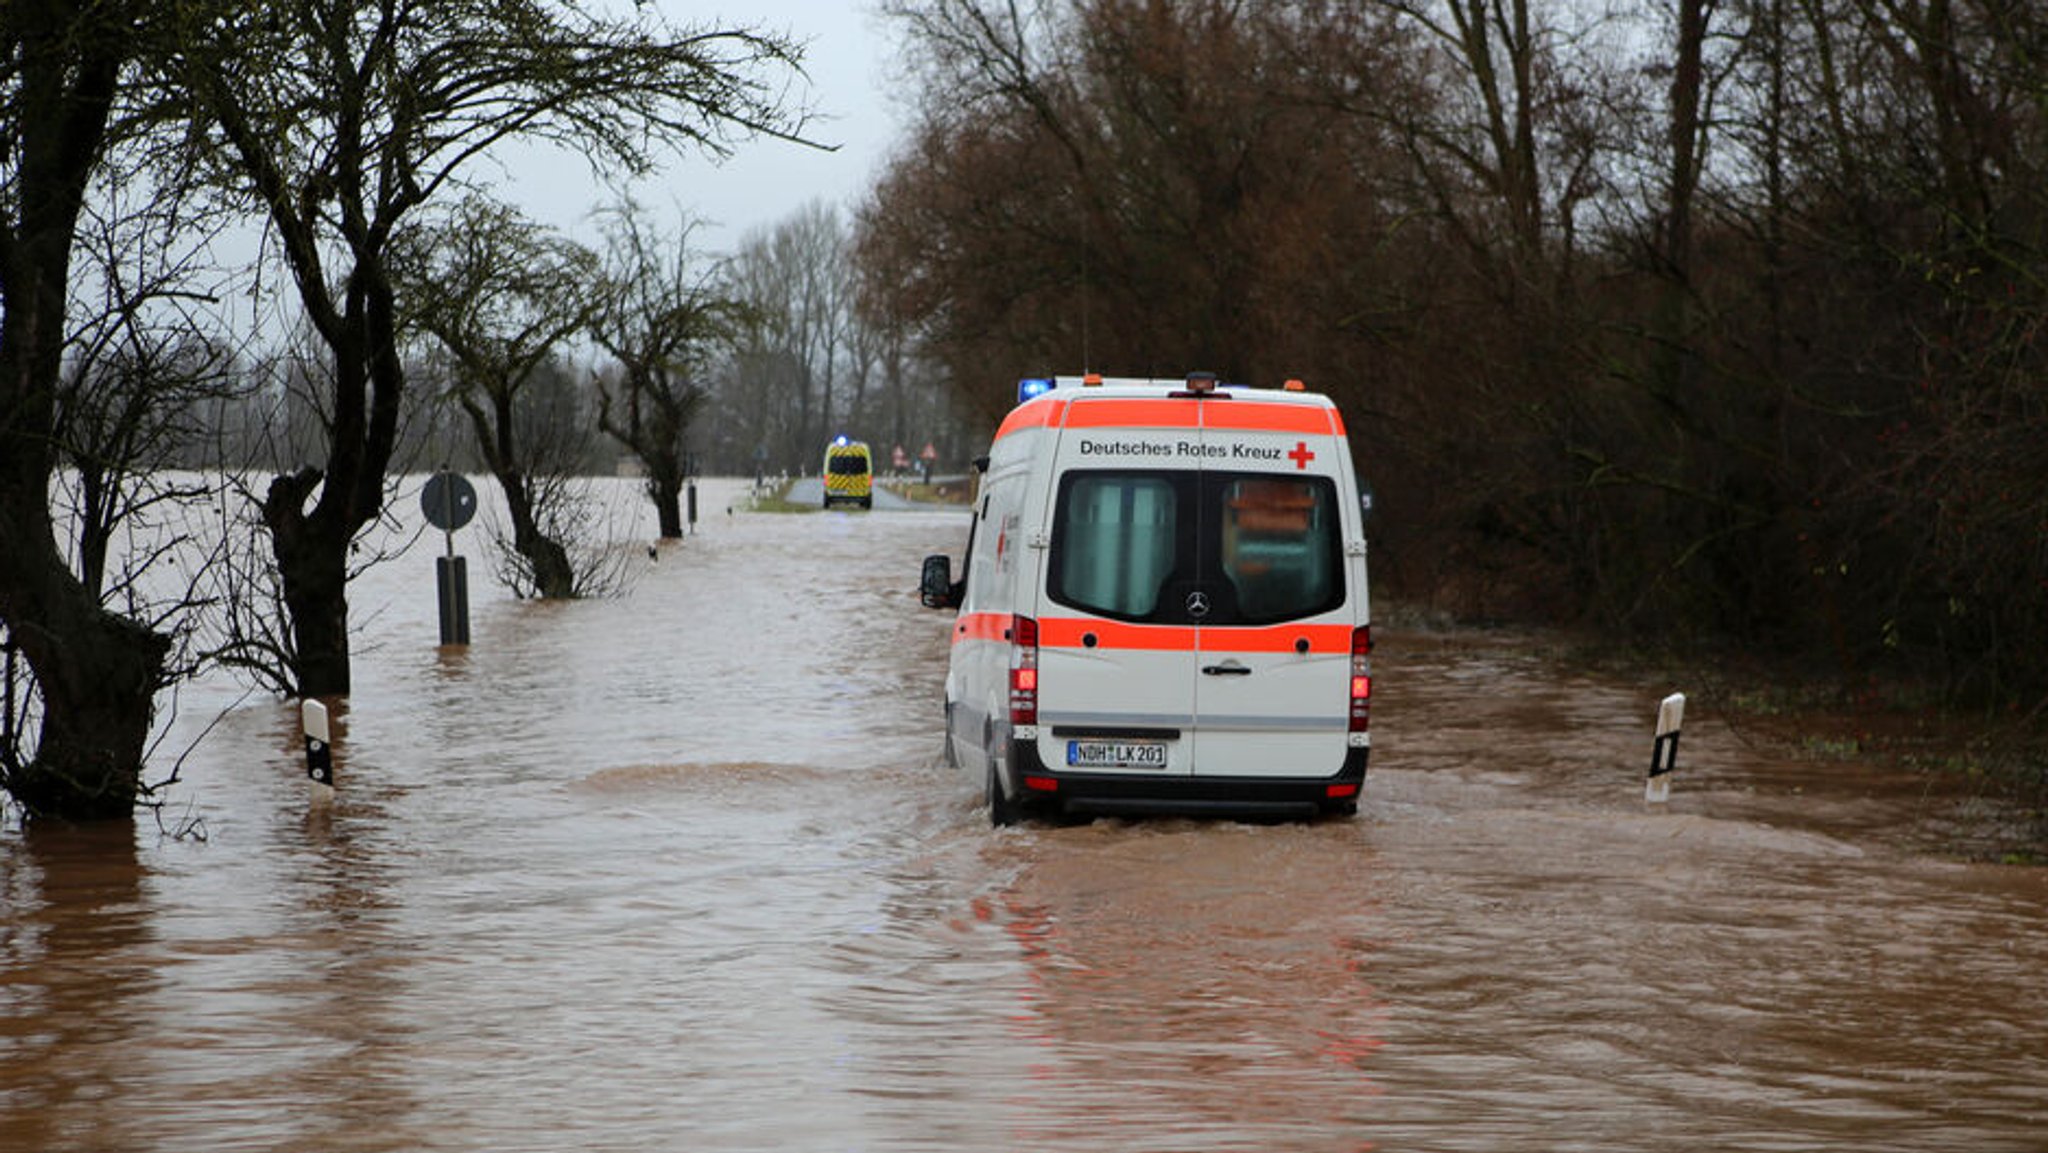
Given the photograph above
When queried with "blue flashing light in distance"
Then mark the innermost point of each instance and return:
(1032, 386)
(840, 439)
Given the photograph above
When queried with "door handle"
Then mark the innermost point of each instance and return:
(1231, 669)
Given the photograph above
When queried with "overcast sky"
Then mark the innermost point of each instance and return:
(850, 62)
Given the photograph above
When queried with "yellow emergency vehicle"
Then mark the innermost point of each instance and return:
(849, 473)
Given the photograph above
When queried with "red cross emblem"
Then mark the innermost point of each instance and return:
(1301, 455)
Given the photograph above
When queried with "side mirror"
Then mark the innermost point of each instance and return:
(935, 587)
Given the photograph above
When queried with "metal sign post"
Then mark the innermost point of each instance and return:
(690, 493)
(449, 501)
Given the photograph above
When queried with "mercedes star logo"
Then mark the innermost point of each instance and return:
(1198, 604)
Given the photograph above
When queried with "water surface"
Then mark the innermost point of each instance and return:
(681, 870)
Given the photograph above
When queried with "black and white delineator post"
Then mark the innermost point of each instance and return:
(449, 500)
(1664, 754)
(319, 750)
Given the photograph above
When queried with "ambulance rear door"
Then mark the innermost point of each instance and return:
(1116, 684)
(1272, 691)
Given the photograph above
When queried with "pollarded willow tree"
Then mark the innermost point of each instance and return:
(501, 295)
(339, 121)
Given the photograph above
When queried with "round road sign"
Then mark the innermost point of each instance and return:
(449, 501)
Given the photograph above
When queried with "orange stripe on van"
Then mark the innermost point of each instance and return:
(1238, 412)
(1253, 416)
(1147, 412)
(1069, 633)
(1278, 639)
(1039, 413)
(981, 627)
(1072, 633)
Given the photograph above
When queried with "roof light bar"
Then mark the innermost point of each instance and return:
(1196, 385)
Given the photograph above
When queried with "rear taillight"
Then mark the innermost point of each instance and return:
(1023, 671)
(1361, 678)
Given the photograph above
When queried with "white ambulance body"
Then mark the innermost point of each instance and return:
(1163, 607)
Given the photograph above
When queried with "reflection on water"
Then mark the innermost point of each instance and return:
(75, 919)
(681, 870)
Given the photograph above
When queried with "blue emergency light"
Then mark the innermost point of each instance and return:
(1032, 386)
(840, 439)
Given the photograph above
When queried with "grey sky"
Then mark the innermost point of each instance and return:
(850, 62)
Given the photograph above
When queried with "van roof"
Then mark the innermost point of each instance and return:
(1168, 404)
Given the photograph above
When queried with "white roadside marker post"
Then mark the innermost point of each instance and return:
(319, 751)
(1664, 753)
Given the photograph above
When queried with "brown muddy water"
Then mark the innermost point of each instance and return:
(681, 870)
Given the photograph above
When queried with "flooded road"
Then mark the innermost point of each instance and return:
(682, 871)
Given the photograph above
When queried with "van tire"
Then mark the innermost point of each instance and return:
(1002, 811)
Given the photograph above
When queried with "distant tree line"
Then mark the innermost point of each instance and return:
(1713, 320)
(755, 358)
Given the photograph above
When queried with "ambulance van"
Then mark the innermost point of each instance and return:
(849, 473)
(1162, 607)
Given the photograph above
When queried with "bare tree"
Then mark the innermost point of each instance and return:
(141, 366)
(339, 121)
(502, 295)
(97, 672)
(662, 320)
(1084, 192)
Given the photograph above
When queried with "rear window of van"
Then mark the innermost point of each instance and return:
(1140, 545)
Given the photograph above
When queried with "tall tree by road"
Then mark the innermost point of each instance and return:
(61, 66)
(339, 120)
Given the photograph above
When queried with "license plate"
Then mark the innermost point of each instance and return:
(1116, 754)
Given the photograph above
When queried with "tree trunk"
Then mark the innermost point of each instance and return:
(553, 576)
(667, 493)
(98, 673)
(312, 562)
(1676, 365)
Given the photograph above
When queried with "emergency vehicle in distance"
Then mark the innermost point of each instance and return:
(849, 473)
(1162, 607)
